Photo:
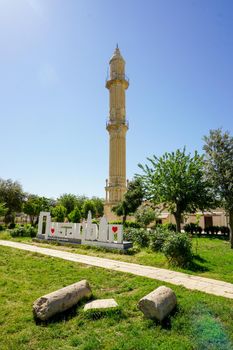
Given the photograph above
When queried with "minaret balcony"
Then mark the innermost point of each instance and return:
(110, 122)
(115, 77)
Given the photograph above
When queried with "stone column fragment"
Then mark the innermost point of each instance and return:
(158, 304)
(60, 300)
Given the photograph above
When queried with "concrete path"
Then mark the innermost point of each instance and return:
(201, 284)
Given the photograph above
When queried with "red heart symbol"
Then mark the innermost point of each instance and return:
(114, 229)
(52, 230)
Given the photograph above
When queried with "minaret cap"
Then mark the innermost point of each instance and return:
(116, 55)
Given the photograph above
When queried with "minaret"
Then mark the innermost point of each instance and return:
(117, 127)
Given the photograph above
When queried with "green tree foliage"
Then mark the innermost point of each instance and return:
(99, 205)
(144, 215)
(59, 213)
(75, 215)
(88, 205)
(132, 199)
(219, 169)
(177, 181)
(68, 200)
(33, 205)
(3, 209)
(80, 201)
(11, 194)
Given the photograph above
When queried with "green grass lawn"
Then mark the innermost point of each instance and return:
(200, 322)
(214, 258)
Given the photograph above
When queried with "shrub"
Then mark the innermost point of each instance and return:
(158, 237)
(24, 231)
(127, 224)
(144, 215)
(224, 230)
(192, 228)
(178, 249)
(131, 224)
(59, 213)
(116, 222)
(212, 230)
(11, 225)
(169, 226)
(31, 231)
(216, 229)
(138, 236)
(74, 215)
(2, 227)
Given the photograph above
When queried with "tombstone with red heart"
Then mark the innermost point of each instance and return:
(115, 230)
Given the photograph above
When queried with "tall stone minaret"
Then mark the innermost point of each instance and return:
(117, 127)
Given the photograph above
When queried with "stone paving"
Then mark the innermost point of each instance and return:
(192, 282)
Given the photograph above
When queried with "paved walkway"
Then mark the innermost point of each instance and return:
(202, 284)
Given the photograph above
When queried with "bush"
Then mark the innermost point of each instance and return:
(2, 227)
(178, 249)
(158, 237)
(31, 231)
(59, 213)
(214, 230)
(144, 215)
(116, 222)
(192, 228)
(132, 224)
(224, 230)
(74, 215)
(24, 231)
(127, 224)
(169, 226)
(11, 225)
(138, 236)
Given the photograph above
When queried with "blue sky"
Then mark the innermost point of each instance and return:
(53, 103)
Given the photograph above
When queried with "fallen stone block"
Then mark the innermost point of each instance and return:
(101, 304)
(158, 304)
(61, 300)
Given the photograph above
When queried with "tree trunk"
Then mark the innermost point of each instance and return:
(177, 216)
(31, 219)
(124, 219)
(231, 226)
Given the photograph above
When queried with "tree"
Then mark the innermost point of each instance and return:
(144, 215)
(59, 213)
(99, 205)
(11, 194)
(3, 209)
(67, 200)
(75, 215)
(80, 201)
(219, 169)
(33, 205)
(177, 181)
(132, 199)
(88, 205)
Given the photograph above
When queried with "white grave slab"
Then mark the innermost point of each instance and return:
(101, 304)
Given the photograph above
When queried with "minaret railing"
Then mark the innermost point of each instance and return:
(117, 76)
(117, 122)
